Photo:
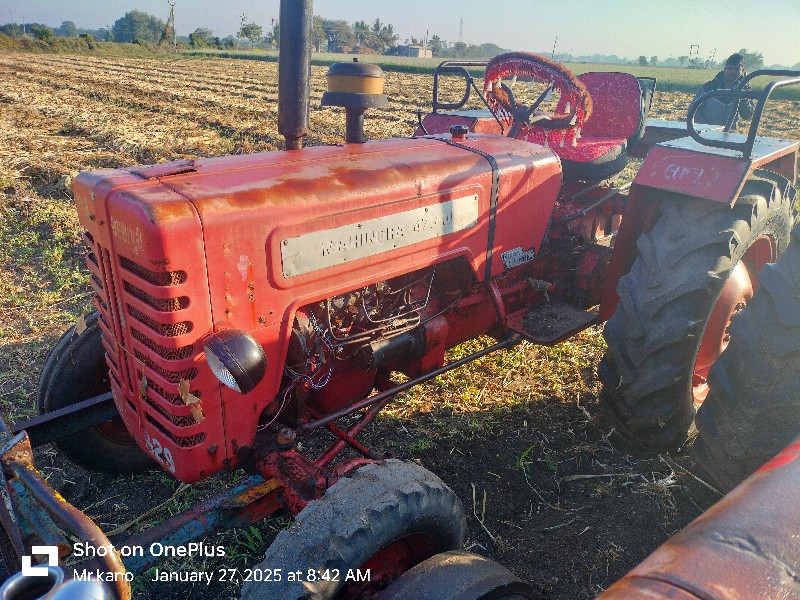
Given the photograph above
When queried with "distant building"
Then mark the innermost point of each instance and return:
(415, 51)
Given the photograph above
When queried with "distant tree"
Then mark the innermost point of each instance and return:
(318, 37)
(363, 33)
(138, 25)
(42, 33)
(752, 60)
(683, 59)
(654, 60)
(459, 50)
(384, 35)
(796, 67)
(252, 32)
(228, 42)
(67, 29)
(489, 50)
(339, 33)
(201, 37)
(438, 45)
(642, 61)
(11, 30)
(273, 37)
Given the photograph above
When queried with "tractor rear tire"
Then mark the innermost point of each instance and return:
(667, 298)
(387, 516)
(76, 370)
(459, 575)
(753, 409)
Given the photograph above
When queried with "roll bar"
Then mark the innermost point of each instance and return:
(738, 94)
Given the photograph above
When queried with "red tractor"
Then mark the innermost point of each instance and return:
(246, 302)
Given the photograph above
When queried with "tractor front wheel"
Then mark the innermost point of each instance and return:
(385, 518)
(76, 370)
(459, 575)
(696, 268)
(753, 409)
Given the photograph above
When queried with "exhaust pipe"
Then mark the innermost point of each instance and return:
(745, 546)
(294, 71)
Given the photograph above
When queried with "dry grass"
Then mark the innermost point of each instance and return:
(63, 114)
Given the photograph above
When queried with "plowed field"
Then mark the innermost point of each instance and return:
(551, 490)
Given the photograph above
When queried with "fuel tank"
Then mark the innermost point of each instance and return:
(179, 250)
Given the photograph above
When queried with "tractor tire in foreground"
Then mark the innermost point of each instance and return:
(753, 409)
(459, 575)
(76, 370)
(696, 267)
(386, 517)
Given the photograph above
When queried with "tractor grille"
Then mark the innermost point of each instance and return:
(167, 330)
(160, 304)
(164, 278)
(144, 338)
(168, 353)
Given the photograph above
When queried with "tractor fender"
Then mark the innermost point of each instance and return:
(672, 171)
(686, 167)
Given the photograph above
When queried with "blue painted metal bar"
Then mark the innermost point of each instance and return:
(245, 504)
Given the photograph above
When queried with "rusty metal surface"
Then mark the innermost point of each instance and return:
(550, 322)
(245, 504)
(743, 548)
(36, 526)
(11, 545)
(302, 480)
(72, 520)
(294, 71)
(187, 252)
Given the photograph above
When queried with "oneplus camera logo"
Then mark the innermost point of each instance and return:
(40, 570)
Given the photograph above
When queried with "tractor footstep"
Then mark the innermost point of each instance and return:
(550, 322)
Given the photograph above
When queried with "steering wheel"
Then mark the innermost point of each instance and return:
(521, 114)
(574, 105)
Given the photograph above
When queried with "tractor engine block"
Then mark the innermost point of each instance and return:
(339, 344)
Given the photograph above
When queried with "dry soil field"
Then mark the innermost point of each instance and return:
(552, 491)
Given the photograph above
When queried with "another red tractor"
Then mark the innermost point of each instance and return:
(245, 302)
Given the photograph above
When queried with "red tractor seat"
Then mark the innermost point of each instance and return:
(618, 115)
(596, 114)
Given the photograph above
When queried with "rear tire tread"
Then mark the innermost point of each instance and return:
(753, 406)
(665, 302)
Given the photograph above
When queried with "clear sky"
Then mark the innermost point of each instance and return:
(629, 28)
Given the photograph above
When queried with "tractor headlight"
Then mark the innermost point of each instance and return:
(236, 359)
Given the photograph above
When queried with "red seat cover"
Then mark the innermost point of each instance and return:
(617, 102)
(586, 149)
(616, 114)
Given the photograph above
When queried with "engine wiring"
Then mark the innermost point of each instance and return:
(307, 378)
(380, 311)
